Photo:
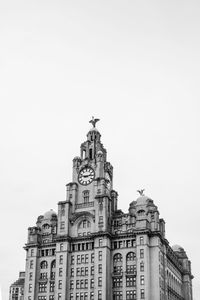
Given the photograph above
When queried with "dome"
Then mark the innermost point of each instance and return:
(143, 200)
(177, 248)
(49, 214)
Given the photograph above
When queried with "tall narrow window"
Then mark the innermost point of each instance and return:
(86, 196)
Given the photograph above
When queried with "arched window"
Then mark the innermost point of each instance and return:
(141, 212)
(53, 264)
(45, 226)
(130, 256)
(44, 264)
(117, 258)
(84, 227)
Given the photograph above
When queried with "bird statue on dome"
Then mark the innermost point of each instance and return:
(141, 192)
(94, 121)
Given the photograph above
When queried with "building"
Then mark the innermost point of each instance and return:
(93, 250)
(17, 288)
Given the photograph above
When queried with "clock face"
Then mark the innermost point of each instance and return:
(86, 176)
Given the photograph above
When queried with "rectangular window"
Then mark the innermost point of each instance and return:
(30, 276)
(62, 225)
(99, 295)
(142, 294)
(101, 240)
(142, 279)
(60, 271)
(86, 271)
(72, 272)
(61, 260)
(77, 284)
(71, 297)
(141, 267)
(117, 282)
(92, 270)
(100, 281)
(86, 258)
(141, 240)
(60, 284)
(71, 284)
(59, 296)
(91, 283)
(42, 287)
(92, 296)
(100, 255)
(141, 253)
(100, 268)
(32, 252)
(92, 257)
(85, 296)
(86, 283)
(52, 286)
(51, 297)
(72, 260)
(31, 264)
(78, 259)
(30, 288)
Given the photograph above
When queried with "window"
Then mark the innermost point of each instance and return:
(62, 225)
(60, 271)
(72, 260)
(43, 275)
(92, 296)
(117, 258)
(92, 270)
(130, 256)
(100, 240)
(61, 259)
(117, 295)
(141, 253)
(141, 240)
(91, 283)
(51, 297)
(99, 295)
(72, 272)
(130, 295)
(31, 264)
(59, 296)
(142, 294)
(100, 255)
(100, 268)
(141, 267)
(30, 288)
(117, 282)
(142, 279)
(71, 297)
(92, 257)
(78, 259)
(31, 276)
(60, 284)
(131, 281)
(61, 247)
(42, 297)
(44, 264)
(42, 287)
(117, 269)
(53, 264)
(71, 284)
(100, 219)
(52, 286)
(32, 252)
(86, 271)
(99, 281)
(85, 196)
(141, 212)
(86, 258)
(86, 283)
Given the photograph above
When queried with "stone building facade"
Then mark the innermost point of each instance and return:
(90, 249)
(16, 291)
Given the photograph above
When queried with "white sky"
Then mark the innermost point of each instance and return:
(133, 64)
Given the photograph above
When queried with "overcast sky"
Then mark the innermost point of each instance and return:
(133, 64)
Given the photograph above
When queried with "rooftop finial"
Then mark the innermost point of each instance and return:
(94, 121)
(141, 192)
